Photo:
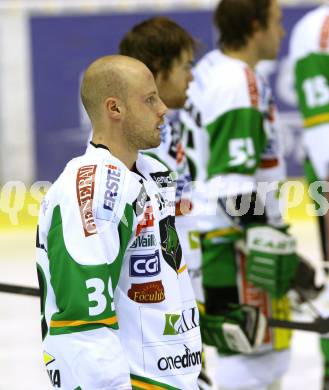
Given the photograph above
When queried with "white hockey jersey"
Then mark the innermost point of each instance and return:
(309, 52)
(118, 310)
(233, 139)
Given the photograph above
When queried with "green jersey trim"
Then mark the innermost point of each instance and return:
(84, 293)
(142, 383)
(153, 155)
(312, 86)
(43, 295)
(236, 141)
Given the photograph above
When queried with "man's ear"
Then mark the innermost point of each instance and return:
(113, 107)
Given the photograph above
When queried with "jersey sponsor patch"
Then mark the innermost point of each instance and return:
(170, 245)
(147, 220)
(144, 241)
(139, 203)
(151, 292)
(181, 322)
(85, 184)
(164, 179)
(252, 87)
(147, 264)
(55, 378)
(47, 358)
(111, 181)
(173, 359)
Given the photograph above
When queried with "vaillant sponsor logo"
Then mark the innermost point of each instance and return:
(144, 241)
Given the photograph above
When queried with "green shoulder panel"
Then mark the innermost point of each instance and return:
(312, 86)
(84, 293)
(236, 141)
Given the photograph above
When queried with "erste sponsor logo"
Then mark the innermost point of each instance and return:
(112, 186)
(85, 183)
(187, 359)
(145, 264)
(151, 292)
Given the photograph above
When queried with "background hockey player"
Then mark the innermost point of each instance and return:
(113, 279)
(233, 143)
(168, 50)
(309, 51)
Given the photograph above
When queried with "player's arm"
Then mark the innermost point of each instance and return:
(80, 264)
(312, 87)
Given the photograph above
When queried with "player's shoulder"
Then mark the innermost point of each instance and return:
(226, 85)
(150, 163)
(217, 71)
(100, 180)
(310, 33)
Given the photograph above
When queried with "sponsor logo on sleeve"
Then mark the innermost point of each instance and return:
(145, 265)
(55, 378)
(54, 375)
(180, 361)
(152, 292)
(112, 186)
(164, 179)
(85, 184)
(147, 220)
(170, 245)
(179, 323)
(141, 200)
(144, 241)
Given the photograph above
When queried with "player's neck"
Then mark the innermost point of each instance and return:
(246, 54)
(119, 150)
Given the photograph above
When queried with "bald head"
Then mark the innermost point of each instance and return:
(109, 76)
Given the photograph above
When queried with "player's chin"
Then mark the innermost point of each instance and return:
(179, 102)
(157, 142)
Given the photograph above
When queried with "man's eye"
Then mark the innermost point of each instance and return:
(150, 100)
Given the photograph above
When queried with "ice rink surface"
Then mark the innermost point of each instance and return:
(21, 365)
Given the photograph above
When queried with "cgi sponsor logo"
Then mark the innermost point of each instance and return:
(178, 362)
(147, 220)
(145, 265)
(152, 292)
(164, 179)
(180, 323)
(112, 186)
(85, 184)
(144, 241)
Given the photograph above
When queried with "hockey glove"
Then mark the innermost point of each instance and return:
(271, 259)
(240, 330)
(304, 282)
